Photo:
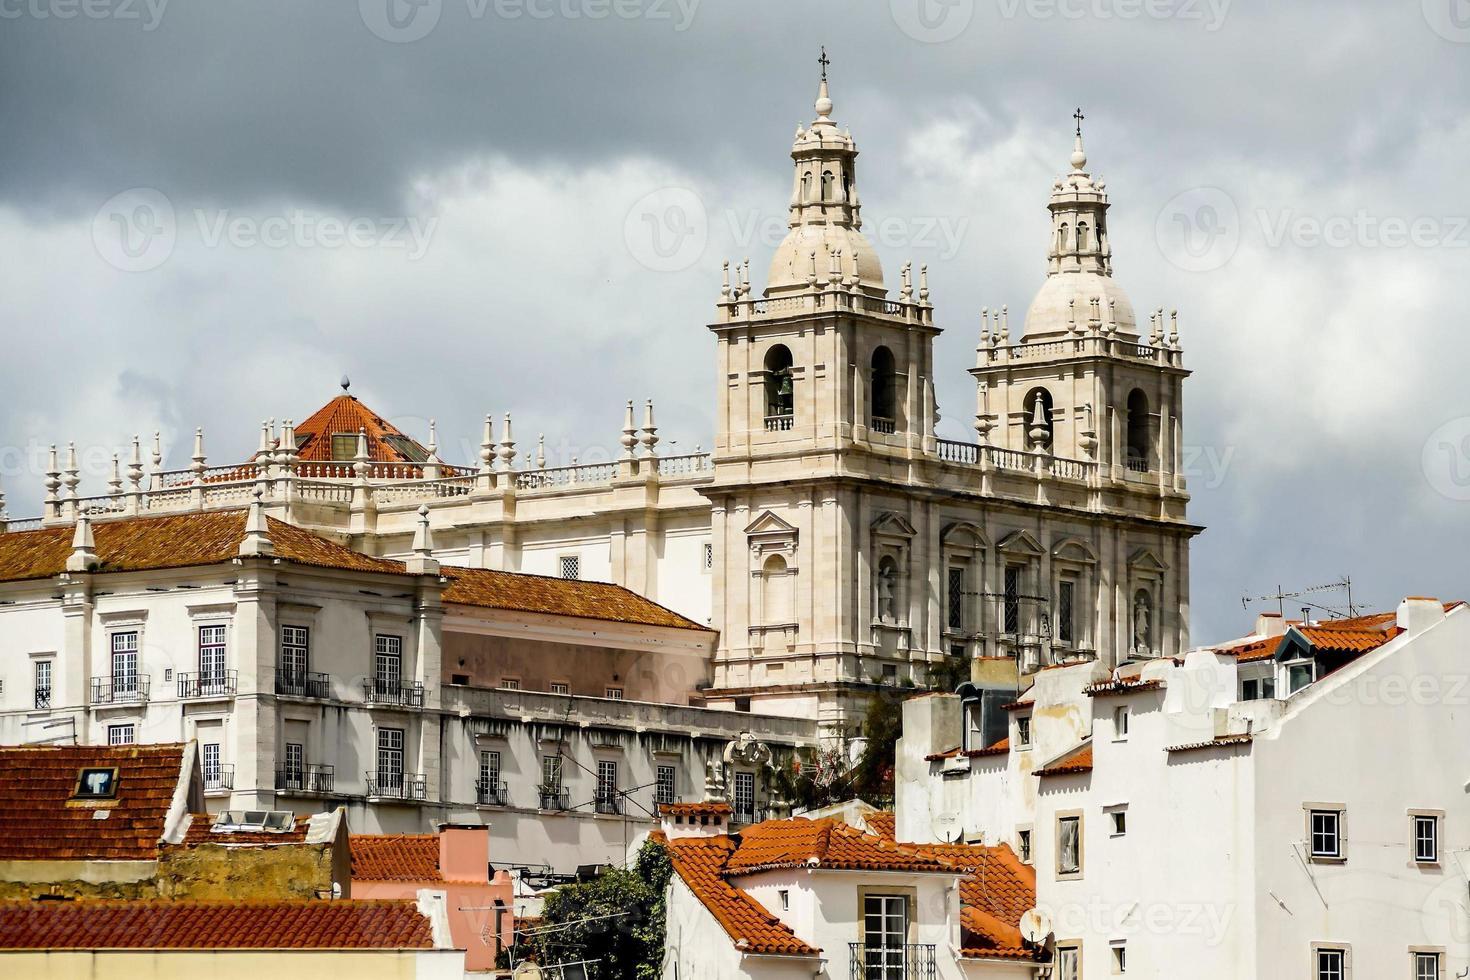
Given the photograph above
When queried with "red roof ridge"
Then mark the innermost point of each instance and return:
(1075, 760)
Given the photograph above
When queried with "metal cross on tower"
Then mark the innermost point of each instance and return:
(824, 61)
(1079, 117)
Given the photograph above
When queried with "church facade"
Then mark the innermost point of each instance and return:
(833, 540)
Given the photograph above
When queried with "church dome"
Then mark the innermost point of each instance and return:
(1051, 311)
(792, 263)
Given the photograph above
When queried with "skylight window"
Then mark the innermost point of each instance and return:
(96, 784)
(254, 821)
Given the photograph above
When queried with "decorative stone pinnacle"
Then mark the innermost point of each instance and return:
(257, 539)
(507, 444)
(649, 437)
(83, 548)
(630, 432)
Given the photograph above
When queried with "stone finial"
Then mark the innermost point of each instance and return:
(507, 444)
(1005, 324)
(1174, 328)
(2, 506)
(198, 459)
(1071, 316)
(135, 465)
(53, 477)
(423, 562)
(906, 293)
(288, 443)
(114, 482)
(360, 458)
(1112, 321)
(433, 446)
(1039, 434)
(725, 287)
(263, 451)
(83, 547)
(73, 476)
(649, 437)
(541, 450)
(745, 277)
(630, 432)
(924, 284)
(984, 326)
(487, 446)
(257, 540)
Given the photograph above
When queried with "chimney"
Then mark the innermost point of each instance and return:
(1418, 613)
(1270, 624)
(464, 852)
(710, 818)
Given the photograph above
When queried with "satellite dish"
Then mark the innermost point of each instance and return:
(946, 827)
(527, 971)
(1035, 926)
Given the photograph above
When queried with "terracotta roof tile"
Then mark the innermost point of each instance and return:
(345, 415)
(826, 843)
(1213, 743)
(882, 824)
(998, 890)
(558, 597)
(1331, 639)
(708, 808)
(700, 864)
(1078, 760)
(395, 857)
(201, 831)
(214, 925)
(36, 783)
(1104, 688)
(994, 748)
(1262, 649)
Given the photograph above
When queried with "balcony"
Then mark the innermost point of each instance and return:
(780, 423)
(303, 684)
(1137, 464)
(911, 962)
(490, 793)
(393, 691)
(609, 803)
(219, 779)
(215, 684)
(43, 698)
(396, 786)
(123, 689)
(885, 426)
(552, 798)
(309, 780)
(748, 814)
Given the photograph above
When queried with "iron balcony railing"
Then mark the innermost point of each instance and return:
(914, 961)
(397, 785)
(303, 684)
(43, 697)
(122, 689)
(552, 798)
(311, 778)
(217, 683)
(608, 803)
(220, 777)
(393, 690)
(489, 793)
(748, 814)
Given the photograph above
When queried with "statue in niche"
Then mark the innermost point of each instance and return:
(887, 589)
(1141, 615)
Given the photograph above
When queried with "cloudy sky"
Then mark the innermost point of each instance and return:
(210, 212)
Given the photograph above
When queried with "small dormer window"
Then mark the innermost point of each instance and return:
(344, 446)
(98, 783)
(1300, 673)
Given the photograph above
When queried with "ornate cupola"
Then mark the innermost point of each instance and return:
(1079, 290)
(826, 211)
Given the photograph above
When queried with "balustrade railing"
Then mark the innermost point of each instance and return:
(393, 690)
(911, 961)
(397, 785)
(311, 778)
(120, 689)
(686, 465)
(208, 684)
(303, 683)
(218, 778)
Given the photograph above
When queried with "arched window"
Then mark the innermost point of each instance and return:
(806, 187)
(827, 184)
(1062, 237)
(1143, 623)
(846, 188)
(883, 388)
(780, 396)
(1081, 236)
(775, 592)
(1139, 438)
(885, 590)
(1038, 417)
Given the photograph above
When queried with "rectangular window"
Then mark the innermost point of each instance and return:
(1326, 832)
(1066, 617)
(1426, 838)
(293, 766)
(1120, 822)
(1068, 963)
(390, 759)
(125, 663)
(607, 786)
(211, 658)
(490, 776)
(956, 597)
(1331, 964)
(209, 761)
(510, 684)
(1426, 966)
(885, 933)
(615, 693)
(1012, 602)
(119, 734)
(1250, 690)
(1023, 842)
(745, 796)
(551, 773)
(1268, 687)
(665, 786)
(1120, 723)
(1069, 845)
(388, 665)
(1023, 731)
(557, 688)
(43, 683)
(1299, 675)
(1120, 957)
(571, 566)
(295, 642)
(709, 557)
(785, 894)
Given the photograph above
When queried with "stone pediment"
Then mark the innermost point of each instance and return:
(1074, 549)
(1145, 560)
(768, 523)
(963, 534)
(1021, 543)
(893, 524)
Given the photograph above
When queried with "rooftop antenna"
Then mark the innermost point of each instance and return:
(1280, 596)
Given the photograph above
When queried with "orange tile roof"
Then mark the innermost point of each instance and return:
(708, 808)
(1103, 688)
(395, 857)
(826, 843)
(700, 864)
(36, 783)
(342, 924)
(995, 748)
(998, 890)
(882, 824)
(172, 541)
(1078, 760)
(519, 592)
(1262, 649)
(201, 831)
(1213, 743)
(1330, 639)
(345, 415)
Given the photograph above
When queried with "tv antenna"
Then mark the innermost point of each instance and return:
(1344, 585)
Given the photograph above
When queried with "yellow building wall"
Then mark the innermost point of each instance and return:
(232, 965)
